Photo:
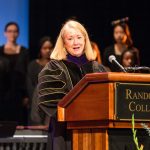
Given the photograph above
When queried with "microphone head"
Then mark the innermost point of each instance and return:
(111, 58)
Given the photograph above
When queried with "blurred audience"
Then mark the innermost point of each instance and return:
(123, 41)
(13, 67)
(96, 51)
(45, 49)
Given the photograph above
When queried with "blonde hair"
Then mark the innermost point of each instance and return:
(60, 53)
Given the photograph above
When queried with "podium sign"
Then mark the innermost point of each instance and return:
(132, 98)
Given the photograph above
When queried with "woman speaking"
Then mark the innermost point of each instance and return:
(71, 59)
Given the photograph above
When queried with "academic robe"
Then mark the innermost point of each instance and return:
(55, 80)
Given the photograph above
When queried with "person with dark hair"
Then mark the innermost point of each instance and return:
(45, 49)
(129, 61)
(128, 58)
(71, 59)
(13, 93)
(123, 41)
(10, 24)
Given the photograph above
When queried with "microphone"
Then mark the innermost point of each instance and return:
(112, 59)
(119, 21)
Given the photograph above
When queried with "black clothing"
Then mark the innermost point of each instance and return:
(107, 52)
(55, 81)
(34, 68)
(111, 51)
(13, 70)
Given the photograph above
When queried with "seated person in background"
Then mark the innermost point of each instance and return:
(97, 52)
(123, 41)
(128, 59)
(13, 68)
(71, 59)
(45, 48)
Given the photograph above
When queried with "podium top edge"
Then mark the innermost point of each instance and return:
(117, 77)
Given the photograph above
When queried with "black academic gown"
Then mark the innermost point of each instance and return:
(55, 81)
(13, 90)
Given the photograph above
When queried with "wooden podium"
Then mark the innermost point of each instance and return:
(90, 110)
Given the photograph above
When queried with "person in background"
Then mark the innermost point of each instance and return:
(13, 92)
(123, 41)
(71, 59)
(45, 48)
(96, 51)
(128, 59)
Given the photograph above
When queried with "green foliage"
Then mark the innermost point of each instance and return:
(134, 135)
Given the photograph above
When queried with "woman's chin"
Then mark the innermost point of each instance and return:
(77, 54)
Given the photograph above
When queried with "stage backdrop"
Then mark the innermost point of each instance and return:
(15, 10)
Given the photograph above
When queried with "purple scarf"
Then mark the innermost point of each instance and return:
(79, 61)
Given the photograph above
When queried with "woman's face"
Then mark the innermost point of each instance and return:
(74, 42)
(11, 33)
(119, 35)
(128, 59)
(46, 49)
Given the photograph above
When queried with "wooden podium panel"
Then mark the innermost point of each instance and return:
(89, 108)
(90, 139)
(94, 104)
